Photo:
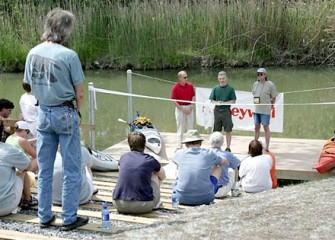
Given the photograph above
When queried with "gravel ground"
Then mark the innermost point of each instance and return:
(303, 211)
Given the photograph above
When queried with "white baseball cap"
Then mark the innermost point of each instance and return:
(23, 125)
(261, 70)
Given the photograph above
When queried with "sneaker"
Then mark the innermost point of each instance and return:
(227, 149)
(28, 204)
(235, 192)
(81, 221)
(48, 223)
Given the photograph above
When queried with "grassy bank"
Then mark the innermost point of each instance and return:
(169, 34)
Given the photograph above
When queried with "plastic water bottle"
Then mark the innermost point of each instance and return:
(105, 224)
(174, 200)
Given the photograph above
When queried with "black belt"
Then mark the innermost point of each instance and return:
(69, 103)
(185, 104)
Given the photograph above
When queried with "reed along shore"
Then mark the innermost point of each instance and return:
(150, 34)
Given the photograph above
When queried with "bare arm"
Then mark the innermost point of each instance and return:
(161, 174)
(24, 143)
(222, 103)
(273, 101)
(79, 95)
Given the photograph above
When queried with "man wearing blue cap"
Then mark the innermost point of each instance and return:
(264, 92)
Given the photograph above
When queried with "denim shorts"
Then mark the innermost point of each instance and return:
(214, 180)
(263, 119)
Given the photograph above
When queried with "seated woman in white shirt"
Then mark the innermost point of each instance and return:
(255, 170)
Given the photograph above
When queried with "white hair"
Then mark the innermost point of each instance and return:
(223, 73)
(216, 139)
(58, 25)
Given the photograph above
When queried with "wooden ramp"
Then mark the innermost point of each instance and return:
(295, 160)
(105, 182)
(295, 157)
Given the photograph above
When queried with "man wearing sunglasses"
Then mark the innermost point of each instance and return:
(183, 93)
(265, 93)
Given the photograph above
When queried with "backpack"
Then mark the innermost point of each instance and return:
(327, 157)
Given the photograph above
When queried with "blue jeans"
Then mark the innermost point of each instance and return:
(58, 125)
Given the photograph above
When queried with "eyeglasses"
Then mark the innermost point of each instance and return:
(260, 74)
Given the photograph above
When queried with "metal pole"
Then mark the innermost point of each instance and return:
(130, 98)
(91, 114)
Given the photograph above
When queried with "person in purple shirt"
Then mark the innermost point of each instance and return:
(137, 190)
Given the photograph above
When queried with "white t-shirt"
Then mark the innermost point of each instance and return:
(29, 111)
(255, 173)
(86, 191)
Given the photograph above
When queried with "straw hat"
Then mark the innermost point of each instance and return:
(192, 136)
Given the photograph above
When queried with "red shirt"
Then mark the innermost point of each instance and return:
(180, 92)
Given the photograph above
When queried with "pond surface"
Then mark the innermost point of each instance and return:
(300, 121)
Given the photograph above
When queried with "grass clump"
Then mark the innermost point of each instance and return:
(144, 34)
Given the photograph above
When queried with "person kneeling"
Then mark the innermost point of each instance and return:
(87, 189)
(199, 170)
(137, 190)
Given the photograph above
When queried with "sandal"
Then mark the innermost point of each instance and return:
(28, 204)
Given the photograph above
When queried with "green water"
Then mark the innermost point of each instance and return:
(303, 121)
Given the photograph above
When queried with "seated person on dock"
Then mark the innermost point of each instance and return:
(138, 187)
(6, 108)
(14, 180)
(87, 188)
(229, 172)
(255, 170)
(29, 109)
(19, 139)
(198, 169)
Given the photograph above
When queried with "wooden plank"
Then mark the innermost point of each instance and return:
(113, 216)
(57, 223)
(166, 202)
(112, 209)
(303, 175)
(109, 186)
(15, 235)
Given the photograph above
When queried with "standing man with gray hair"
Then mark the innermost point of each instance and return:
(56, 78)
(223, 95)
(265, 93)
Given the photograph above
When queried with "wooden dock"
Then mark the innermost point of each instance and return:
(295, 160)
(105, 182)
(295, 157)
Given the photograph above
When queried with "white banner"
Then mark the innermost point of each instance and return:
(241, 111)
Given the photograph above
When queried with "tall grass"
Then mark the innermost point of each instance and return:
(147, 34)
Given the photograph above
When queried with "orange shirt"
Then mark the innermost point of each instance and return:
(273, 171)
